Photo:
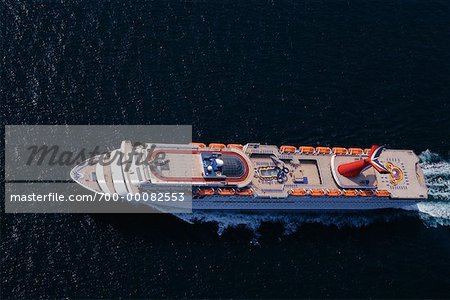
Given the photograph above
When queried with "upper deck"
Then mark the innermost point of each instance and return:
(263, 170)
(181, 165)
(318, 171)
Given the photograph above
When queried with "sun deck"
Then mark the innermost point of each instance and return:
(318, 171)
(190, 166)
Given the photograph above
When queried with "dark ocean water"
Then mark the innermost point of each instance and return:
(337, 73)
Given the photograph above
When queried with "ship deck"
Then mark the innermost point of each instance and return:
(264, 169)
(319, 172)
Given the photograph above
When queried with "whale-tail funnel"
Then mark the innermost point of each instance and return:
(354, 168)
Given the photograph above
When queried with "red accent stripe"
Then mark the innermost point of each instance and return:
(201, 179)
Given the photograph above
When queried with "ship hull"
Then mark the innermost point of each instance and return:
(300, 203)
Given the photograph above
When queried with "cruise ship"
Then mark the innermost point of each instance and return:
(261, 177)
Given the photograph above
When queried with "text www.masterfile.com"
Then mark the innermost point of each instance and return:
(57, 197)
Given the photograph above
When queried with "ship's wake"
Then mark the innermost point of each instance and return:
(291, 222)
(434, 212)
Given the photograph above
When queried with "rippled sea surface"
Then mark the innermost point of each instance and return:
(336, 73)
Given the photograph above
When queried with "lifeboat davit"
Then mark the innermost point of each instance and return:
(238, 146)
(323, 150)
(355, 151)
(306, 149)
(334, 193)
(382, 193)
(293, 192)
(244, 192)
(205, 192)
(287, 149)
(339, 150)
(199, 145)
(354, 168)
(366, 193)
(216, 146)
(316, 192)
(350, 193)
(226, 191)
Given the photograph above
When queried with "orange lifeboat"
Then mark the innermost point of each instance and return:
(323, 150)
(226, 191)
(239, 146)
(200, 145)
(216, 146)
(382, 193)
(339, 151)
(365, 193)
(306, 149)
(205, 192)
(350, 193)
(334, 193)
(355, 151)
(316, 192)
(297, 192)
(287, 149)
(244, 192)
(367, 151)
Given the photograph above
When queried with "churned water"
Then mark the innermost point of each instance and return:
(334, 73)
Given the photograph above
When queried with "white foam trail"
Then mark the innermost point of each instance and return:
(435, 212)
(290, 221)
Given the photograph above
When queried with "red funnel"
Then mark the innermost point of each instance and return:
(354, 168)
